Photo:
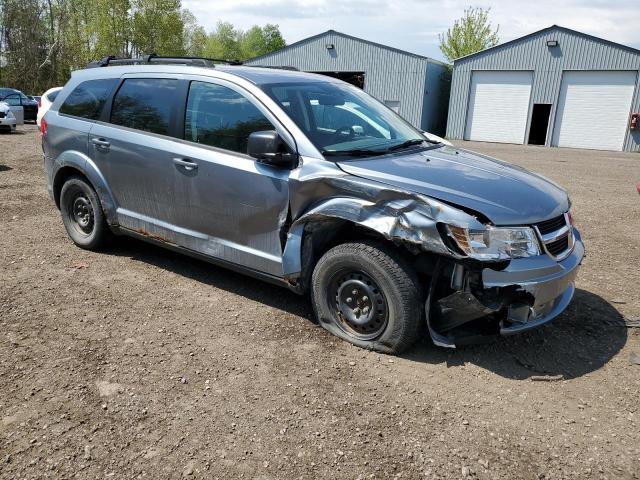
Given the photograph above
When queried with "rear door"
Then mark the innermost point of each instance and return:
(134, 148)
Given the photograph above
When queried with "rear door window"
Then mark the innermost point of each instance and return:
(88, 98)
(221, 117)
(145, 104)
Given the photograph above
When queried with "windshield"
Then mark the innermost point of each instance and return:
(341, 120)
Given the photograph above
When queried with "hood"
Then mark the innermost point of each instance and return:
(506, 194)
(4, 107)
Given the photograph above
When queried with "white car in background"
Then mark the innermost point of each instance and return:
(45, 102)
(8, 120)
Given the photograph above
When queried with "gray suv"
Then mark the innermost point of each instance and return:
(310, 183)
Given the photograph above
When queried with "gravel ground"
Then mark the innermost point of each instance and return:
(140, 363)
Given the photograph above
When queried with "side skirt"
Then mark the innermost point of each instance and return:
(212, 260)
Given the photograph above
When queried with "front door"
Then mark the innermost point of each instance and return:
(235, 205)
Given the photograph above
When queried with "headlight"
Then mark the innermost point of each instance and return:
(496, 243)
(10, 114)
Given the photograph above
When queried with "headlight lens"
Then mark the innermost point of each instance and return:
(10, 114)
(496, 243)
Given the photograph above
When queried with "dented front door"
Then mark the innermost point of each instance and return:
(234, 204)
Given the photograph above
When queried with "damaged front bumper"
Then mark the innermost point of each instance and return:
(528, 293)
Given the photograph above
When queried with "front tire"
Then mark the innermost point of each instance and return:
(82, 214)
(368, 295)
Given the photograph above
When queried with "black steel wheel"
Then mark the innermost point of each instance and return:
(368, 294)
(82, 214)
(359, 304)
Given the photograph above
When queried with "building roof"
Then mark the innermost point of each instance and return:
(350, 37)
(548, 29)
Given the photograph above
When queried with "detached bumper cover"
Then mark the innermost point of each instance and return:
(547, 285)
(551, 284)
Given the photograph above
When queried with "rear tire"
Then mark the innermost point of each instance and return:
(82, 214)
(368, 295)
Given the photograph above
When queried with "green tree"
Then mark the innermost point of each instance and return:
(157, 27)
(111, 27)
(195, 36)
(470, 34)
(273, 39)
(260, 40)
(25, 54)
(43, 41)
(252, 42)
(224, 42)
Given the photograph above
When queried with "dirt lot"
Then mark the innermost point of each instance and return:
(141, 363)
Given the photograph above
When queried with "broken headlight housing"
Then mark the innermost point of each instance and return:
(496, 243)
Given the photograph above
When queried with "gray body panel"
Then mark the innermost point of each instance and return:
(506, 194)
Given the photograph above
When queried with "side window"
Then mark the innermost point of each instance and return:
(13, 100)
(220, 117)
(88, 98)
(144, 104)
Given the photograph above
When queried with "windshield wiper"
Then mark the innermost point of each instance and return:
(358, 152)
(408, 143)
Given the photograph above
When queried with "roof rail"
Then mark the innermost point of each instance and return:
(112, 60)
(278, 67)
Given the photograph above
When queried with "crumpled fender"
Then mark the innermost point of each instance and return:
(82, 163)
(406, 218)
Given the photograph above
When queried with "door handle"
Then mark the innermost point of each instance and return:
(101, 143)
(187, 164)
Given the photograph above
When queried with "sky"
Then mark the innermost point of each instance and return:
(414, 25)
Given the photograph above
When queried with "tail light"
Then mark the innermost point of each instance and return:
(40, 102)
(43, 127)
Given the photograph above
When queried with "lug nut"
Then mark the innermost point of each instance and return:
(349, 299)
(354, 292)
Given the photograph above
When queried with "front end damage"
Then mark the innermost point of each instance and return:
(469, 302)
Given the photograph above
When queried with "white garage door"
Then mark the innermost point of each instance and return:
(593, 109)
(498, 106)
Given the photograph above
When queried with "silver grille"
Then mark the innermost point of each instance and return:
(556, 236)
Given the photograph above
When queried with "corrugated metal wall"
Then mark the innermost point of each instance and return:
(574, 52)
(389, 74)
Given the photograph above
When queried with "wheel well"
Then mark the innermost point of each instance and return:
(62, 176)
(322, 236)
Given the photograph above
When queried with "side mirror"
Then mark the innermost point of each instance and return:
(268, 147)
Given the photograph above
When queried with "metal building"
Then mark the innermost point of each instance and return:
(555, 87)
(414, 86)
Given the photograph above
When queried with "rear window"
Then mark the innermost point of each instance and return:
(144, 104)
(88, 98)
